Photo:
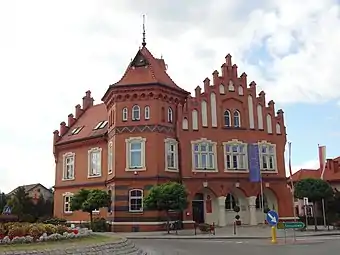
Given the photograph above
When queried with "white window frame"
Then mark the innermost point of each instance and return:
(128, 143)
(135, 110)
(96, 211)
(268, 155)
(170, 142)
(65, 165)
(237, 115)
(235, 142)
(67, 203)
(147, 112)
(225, 114)
(170, 115)
(110, 158)
(201, 142)
(136, 197)
(125, 114)
(90, 153)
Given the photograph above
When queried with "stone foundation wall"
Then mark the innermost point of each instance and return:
(122, 246)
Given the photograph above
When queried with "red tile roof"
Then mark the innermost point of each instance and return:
(88, 120)
(153, 72)
(306, 173)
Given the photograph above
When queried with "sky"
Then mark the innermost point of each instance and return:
(51, 52)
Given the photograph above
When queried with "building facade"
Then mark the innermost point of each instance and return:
(331, 175)
(148, 131)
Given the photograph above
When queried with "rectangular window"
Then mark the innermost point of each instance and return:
(136, 200)
(68, 168)
(110, 158)
(76, 130)
(171, 155)
(95, 162)
(204, 156)
(235, 156)
(67, 204)
(267, 157)
(135, 154)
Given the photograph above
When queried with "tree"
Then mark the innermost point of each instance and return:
(3, 201)
(166, 197)
(315, 190)
(20, 203)
(90, 200)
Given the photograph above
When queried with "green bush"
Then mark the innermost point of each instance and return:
(100, 225)
(55, 221)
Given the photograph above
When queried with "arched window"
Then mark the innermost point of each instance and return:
(170, 115)
(237, 119)
(227, 119)
(125, 114)
(259, 202)
(147, 112)
(230, 202)
(135, 112)
(136, 200)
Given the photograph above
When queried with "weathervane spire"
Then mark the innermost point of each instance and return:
(144, 41)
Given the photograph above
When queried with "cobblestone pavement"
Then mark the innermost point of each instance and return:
(121, 247)
(242, 247)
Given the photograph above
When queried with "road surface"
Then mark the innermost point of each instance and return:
(307, 245)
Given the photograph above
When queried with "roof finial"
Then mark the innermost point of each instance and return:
(144, 42)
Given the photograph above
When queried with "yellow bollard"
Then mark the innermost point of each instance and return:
(273, 232)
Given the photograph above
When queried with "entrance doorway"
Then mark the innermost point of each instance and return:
(198, 208)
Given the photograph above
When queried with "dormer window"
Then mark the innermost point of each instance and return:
(125, 114)
(101, 125)
(76, 130)
(135, 112)
(170, 115)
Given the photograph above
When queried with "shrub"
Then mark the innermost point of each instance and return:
(99, 225)
(204, 227)
(55, 221)
(61, 229)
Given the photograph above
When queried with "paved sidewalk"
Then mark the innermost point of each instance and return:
(243, 232)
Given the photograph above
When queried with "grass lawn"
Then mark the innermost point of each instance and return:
(83, 241)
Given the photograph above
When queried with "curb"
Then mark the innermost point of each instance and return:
(209, 237)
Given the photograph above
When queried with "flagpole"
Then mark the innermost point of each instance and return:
(322, 174)
(291, 183)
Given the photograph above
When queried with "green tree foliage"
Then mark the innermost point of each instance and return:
(3, 201)
(20, 203)
(166, 197)
(90, 200)
(315, 190)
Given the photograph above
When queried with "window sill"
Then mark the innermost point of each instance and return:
(136, 212)
(269, 171)
(71, 179)
(174, 170)
(94, 176)
(135, 169)
(205, 170)
(236, 171)
(68, 213)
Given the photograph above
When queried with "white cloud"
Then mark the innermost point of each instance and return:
(52, 52)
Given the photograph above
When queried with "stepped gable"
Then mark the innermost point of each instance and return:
(145, 69)
(228, 84)
(82, 124)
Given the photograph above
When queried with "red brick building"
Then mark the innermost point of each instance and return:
(331, 175)
(148, 130)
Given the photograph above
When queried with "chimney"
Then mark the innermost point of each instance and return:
(87, 100)
(63, 128)
(78, 111)
(71, 120)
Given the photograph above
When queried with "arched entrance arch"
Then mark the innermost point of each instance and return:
(205, 206)
(234, 197)
(269, 202)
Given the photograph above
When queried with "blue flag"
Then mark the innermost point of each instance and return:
(254, 163)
